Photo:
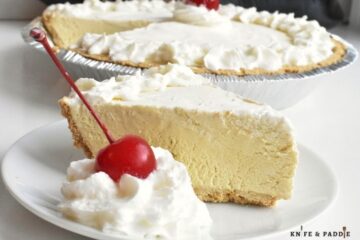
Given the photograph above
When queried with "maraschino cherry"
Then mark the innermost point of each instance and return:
(212, 4)
(130, 154)
(195, 2)
(209, 4)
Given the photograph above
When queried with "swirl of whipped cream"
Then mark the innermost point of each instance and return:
(199, 15)
(97, 44)
(129, 87)
(230, 11)
(250, 58)
(162, 206)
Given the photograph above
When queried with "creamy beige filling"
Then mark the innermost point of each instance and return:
(219, 149)
(66, 30)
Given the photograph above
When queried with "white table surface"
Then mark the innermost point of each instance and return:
(327, 121)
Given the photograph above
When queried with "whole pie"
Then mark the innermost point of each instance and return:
(232, 40)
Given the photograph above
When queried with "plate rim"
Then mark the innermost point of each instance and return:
(72, 228)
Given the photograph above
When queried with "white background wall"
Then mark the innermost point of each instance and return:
(355, 13)
(20, 9)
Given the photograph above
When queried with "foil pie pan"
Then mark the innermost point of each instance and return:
(279, 91)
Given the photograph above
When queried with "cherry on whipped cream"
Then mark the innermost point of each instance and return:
(118, 160)
(127, 155)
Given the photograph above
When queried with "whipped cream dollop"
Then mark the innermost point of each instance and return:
(162, 206)
(232, 38)
(130, 87)
(198, 15)
(118, 10)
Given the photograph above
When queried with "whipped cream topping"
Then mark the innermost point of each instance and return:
(153, 10)
(231, 38)
(130, 87)
(162, 206)
(173, 86)
(191, 45)
(198, 15)
(192, 95)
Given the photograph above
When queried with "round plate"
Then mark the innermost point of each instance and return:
(34, 168)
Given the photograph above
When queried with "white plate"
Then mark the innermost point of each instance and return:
(34, 169)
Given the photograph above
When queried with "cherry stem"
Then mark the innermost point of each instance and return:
(39, 35)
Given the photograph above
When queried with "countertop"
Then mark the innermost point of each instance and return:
(327, 122)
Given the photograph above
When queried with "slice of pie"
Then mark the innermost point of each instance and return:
(236, 150)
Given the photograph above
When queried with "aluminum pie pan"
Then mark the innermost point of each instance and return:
(279, 90)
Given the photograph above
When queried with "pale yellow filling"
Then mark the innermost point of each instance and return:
(225, 154)
(66, 30)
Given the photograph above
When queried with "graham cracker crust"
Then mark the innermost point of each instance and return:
(238, 197)
(78, 140)
(46, 20)
(206, 195)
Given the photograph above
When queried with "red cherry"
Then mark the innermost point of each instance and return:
(130, 154)
(212, 4)
(209, 4)
(195, 2)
